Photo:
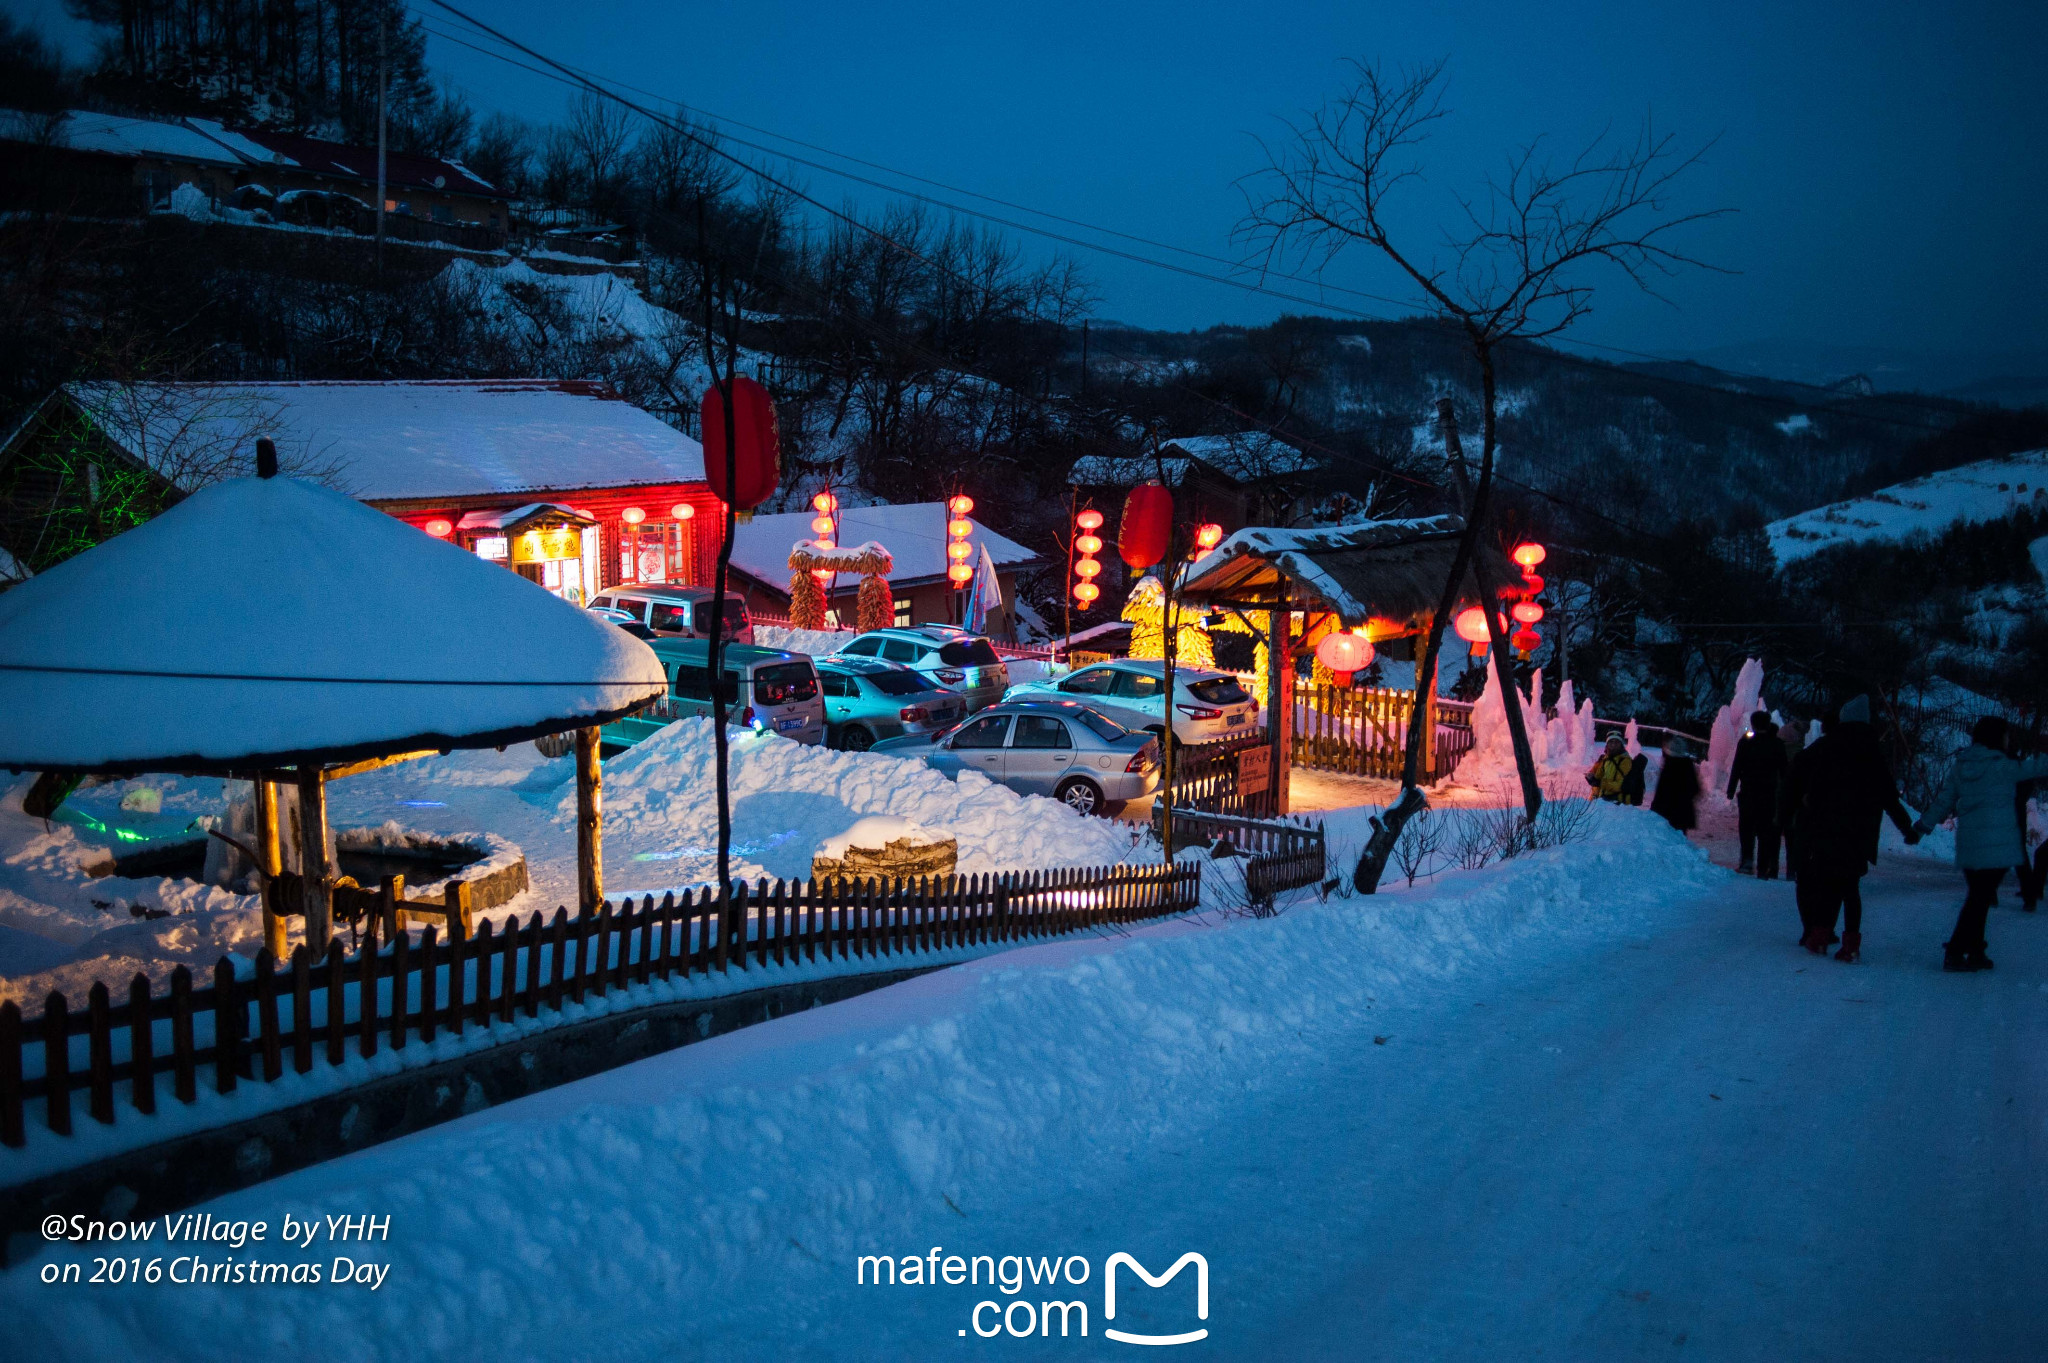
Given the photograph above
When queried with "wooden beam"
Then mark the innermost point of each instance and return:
(269, 863)
(318, 874)
(1279, 699)
(589, 821)
(369, 764)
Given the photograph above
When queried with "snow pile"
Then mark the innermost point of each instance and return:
(745, 1174)
(1561, 747)
(1731, 722)
(816, 642)
(787, 798)
(1984, 491)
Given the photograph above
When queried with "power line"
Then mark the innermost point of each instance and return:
(570, 75)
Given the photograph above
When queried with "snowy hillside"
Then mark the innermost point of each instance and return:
(1985, 491)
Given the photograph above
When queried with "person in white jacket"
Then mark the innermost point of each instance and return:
(1979, 792)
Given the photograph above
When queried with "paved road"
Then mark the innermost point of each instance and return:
(1703, 1143)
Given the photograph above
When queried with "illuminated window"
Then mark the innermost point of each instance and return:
(902, 611)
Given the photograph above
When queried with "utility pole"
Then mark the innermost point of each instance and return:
(1084, 357)
(383, 20)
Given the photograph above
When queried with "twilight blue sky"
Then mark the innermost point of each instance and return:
(1886, 159)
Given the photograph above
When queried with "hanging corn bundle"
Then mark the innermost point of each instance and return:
(813, 564)
(1146, 610)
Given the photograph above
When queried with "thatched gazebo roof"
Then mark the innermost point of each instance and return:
(268, 622)
(1392, 570)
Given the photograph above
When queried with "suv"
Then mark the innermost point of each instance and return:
(954, 658)
(676, 612)
(1208, 705)
(765, 689)
(867, 699)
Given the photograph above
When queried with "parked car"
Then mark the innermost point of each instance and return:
(867, 699)
(765, 688)
(952, 657)
(1207, 705)
(1060, 748)
(625, 621)
(677, 612)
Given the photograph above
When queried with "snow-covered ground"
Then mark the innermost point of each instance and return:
(1983, 491)
(62, 928)
(1590, 1103)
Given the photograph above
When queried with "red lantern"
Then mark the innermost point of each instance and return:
(1088, 544)
(1532, 584)
(682, 511)
(632, 515)
(1471, 625)
(960, 573)
(1344, 652)
(1086, 592)
(1147, 530)
(1527, 612)
(825, 502)
(440, 527)
(1525, 640)
(1089, 520)
(1209, 536)
(1528, 555)
(1087, 567)
(756, 447)
(961, 505)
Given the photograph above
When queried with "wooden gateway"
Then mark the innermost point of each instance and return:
(278, 631)
(1385, 577)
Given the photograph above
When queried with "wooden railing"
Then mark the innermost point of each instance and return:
(1205, 776)
(1282, 854)
(309, 1011)
(1363, 731)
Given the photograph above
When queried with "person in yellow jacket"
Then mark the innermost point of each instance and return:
(1607, 774)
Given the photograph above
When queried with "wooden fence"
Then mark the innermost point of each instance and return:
(251, 1029)
(1205, 776)
(1363, 731)
(1282, 854)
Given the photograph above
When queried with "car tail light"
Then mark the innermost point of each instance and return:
(911, 713)
(1199, 712)
(1140, 760)
(949, 677)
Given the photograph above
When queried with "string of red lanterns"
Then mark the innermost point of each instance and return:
(958, 549)
(825, 528)
(1527, 611)
(1087, 544)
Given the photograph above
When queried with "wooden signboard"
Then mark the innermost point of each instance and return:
(548, 545)
(1254, 770)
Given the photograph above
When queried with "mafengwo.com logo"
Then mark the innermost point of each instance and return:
(1034, 1312)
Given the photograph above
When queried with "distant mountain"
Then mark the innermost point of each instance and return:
(2013, 378)
(1988, 490)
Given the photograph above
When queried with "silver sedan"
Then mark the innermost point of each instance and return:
(1059, 748)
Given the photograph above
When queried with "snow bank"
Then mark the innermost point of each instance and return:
(816, 642)
(745, 1174)
(1562, 747)
(787, 798)
(1984, 491)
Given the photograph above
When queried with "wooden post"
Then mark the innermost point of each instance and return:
(319, 876)
(1428, 685)
(269, 863)
(1280, 699)
(589, 822)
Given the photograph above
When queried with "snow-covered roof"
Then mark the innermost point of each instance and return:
(1391, 569)
(1988, 490)
(80, 130)
(412, 440)
(915, 535)
(501, 520)
(1243, 457)
(261, 622)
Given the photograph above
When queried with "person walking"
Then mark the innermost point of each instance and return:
(1979, 792)
(1793, 735)
(1755, 781)
(1842, 791)
(1678, 787)
(1637, 778)
(1611, 771)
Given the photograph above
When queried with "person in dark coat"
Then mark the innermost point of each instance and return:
(1979, 792)
(1678, 787)
(1754, 781)
(1842, 791)
(1793, 735)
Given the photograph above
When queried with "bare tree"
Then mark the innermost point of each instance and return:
(1520, 268)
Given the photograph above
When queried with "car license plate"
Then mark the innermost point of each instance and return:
(1233, 721)
(794, 722)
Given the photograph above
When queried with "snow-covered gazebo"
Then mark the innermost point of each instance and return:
(279, 631)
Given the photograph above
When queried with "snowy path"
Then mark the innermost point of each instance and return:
(1615, 1114)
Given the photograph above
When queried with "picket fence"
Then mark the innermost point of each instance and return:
(1363, 731)
(1280, 854)
(386, 993)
